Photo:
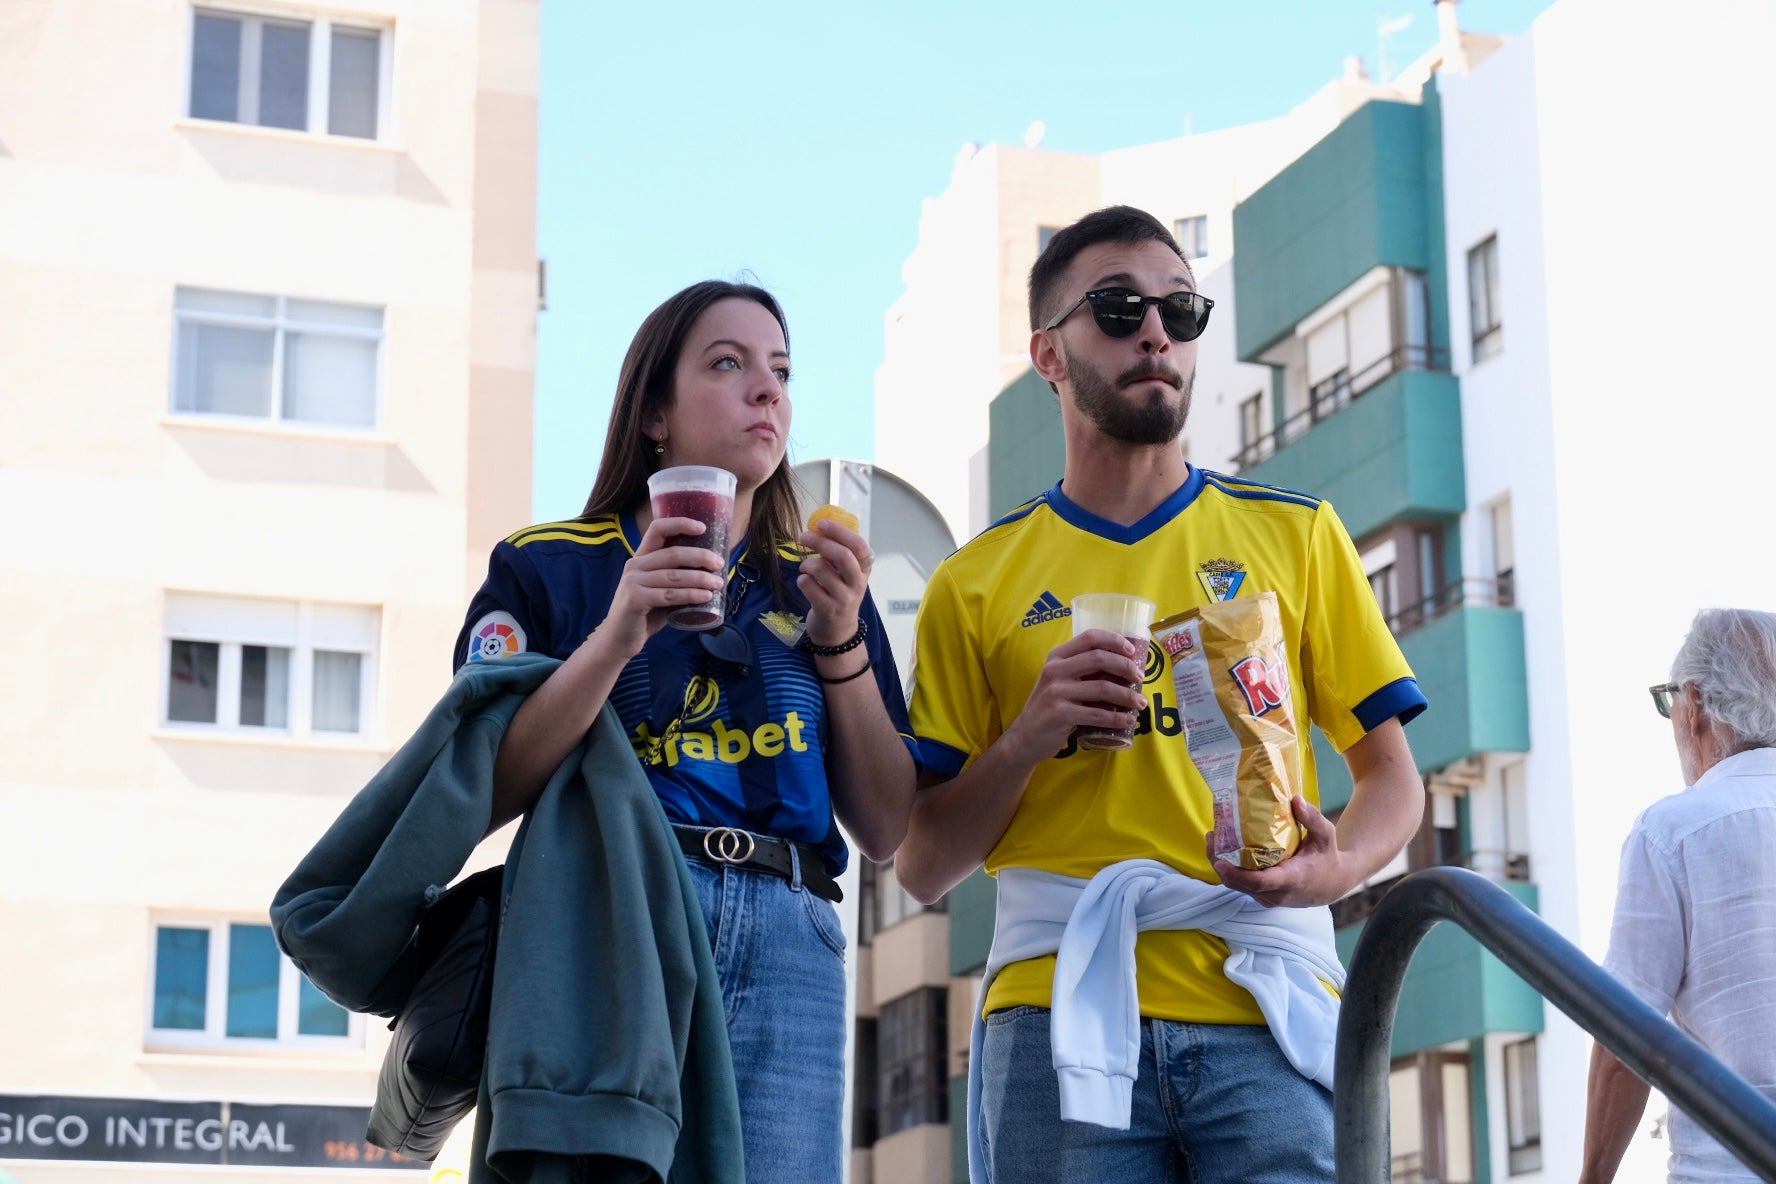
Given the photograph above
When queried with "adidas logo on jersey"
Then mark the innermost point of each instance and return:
(1046, 608)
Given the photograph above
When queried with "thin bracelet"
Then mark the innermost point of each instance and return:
(833, 651)
(858, 673)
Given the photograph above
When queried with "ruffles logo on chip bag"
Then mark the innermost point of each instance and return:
(1231, 668)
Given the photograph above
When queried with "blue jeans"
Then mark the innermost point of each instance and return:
(780, 955)
(1213, 1104)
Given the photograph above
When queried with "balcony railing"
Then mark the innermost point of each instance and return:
(1498, 591)
(1332, 395)
(1497, 865)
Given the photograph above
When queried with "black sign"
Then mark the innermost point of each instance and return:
(134, 1130)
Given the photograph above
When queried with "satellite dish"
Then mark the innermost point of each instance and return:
(906, 532)
(1034, 133)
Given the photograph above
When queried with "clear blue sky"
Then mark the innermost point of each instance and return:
(796, 141)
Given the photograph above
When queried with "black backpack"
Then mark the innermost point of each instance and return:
(432, 1073)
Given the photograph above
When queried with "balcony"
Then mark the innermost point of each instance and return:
(1381, 446)
(1469, 662)
(1455, 990)
(1360, 198)
(1465, 646)
(971, 907)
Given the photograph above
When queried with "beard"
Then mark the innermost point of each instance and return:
(1130, 419)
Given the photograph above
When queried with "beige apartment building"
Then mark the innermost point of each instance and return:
(268, 298)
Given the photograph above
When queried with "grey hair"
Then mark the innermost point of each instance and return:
(1730, 654)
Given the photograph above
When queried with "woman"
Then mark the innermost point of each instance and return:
(757, 747)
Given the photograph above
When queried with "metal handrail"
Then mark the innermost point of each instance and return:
(1720, 1101)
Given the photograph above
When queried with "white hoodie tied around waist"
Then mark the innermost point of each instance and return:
(1284, 956)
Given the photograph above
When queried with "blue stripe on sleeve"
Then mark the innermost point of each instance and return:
(941, 758)
(913, 748)
(1399, 698)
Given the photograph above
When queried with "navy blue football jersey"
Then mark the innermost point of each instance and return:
(724, 744)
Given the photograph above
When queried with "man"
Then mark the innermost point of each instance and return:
(1000, 688)
(1695, 927)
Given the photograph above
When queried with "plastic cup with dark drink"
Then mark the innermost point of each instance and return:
(1129, 616)
(706, 494)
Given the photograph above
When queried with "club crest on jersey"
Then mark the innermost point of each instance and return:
(1048, 607)
(496, 635)
(1221, 578)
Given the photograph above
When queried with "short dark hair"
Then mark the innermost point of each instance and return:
(645, 386)
(1112, 224)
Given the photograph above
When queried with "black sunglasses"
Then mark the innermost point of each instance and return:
(1119, 312)
(726, 642)
(1662, 697)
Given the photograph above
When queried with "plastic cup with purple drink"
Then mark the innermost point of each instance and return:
(1119, 613)
(706, 494)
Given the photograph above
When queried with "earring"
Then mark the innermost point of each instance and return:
(659, 449)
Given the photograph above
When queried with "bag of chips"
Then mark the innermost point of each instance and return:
(1231, 667)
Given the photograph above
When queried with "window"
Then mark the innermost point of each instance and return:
(1252, 432)
(276, 72)
(1380, 565)
(275, 358)
(864, 1110)
(1504, 553)
(222, 982)
(1483, 300)
(1192, 235)
(1045, 234)
(1523, 1112)
(895, 904)
(269, 666)
(1429, 1119)
(912, 1046)
(1428, 583)
(1405, 1125)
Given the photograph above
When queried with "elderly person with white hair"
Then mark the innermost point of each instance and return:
(1695, 925)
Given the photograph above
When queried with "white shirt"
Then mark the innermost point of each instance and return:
(1695, 933)
(1285, 957)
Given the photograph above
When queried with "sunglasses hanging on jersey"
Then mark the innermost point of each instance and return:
(726, 642)
(1119, 312)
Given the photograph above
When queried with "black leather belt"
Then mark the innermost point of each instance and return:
(723, 846)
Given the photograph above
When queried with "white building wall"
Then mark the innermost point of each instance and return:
(1621, 418)
(940, 371)
(109, 200)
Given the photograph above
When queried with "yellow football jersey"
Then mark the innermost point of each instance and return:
(994, 610)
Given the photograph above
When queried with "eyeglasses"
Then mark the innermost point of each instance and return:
(1119, 312)
(1662, 697)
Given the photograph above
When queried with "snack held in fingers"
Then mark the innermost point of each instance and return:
(834, 513)
(1231, 667)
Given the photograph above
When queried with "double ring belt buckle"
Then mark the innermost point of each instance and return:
(724, 844)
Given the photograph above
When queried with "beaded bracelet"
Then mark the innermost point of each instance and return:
(859, 673)
(833, 651)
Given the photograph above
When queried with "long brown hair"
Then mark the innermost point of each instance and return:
(645, 387)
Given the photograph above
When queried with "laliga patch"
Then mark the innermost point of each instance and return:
(496, 635)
